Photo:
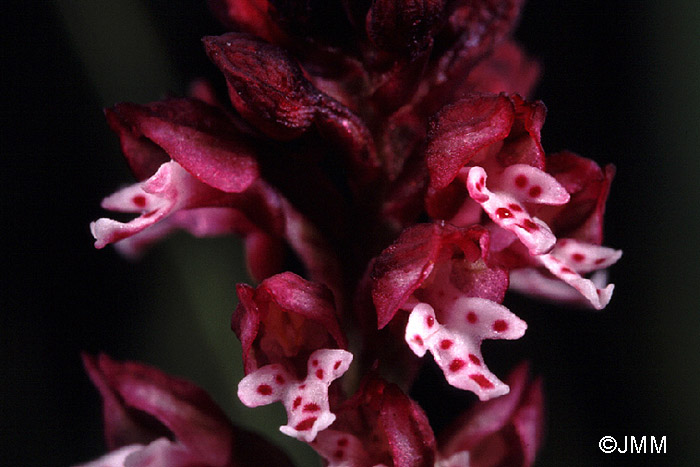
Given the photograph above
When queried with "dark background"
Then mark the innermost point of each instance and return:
(622, 84)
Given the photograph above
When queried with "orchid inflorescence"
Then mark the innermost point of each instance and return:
(382, 162)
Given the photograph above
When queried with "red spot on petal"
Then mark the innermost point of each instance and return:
(474, 359)
(265, 389)
(599, 261)
(456, 365)
(481, 381)
(148, 214)
(342, 442)
(515, 207)
(521, 181)
(529, 225)
(535, 191)
(139, 200)
(482, 181)
(302, 386)
(315, 363)
(311, 407)
(566, 270)
(429, 321)
(296, 403)
(499, 325)
(337, 364)
(319, 373)
(503, 213)
(578, 257)
(279, 379)
(471, 317)
(418, 339)
(306, 424)
(338, 454)
(445, 344)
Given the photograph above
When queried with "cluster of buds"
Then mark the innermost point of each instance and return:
(383, 164)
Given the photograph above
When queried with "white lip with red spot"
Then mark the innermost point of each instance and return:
(507, 209)
(456, 344)
(168, 190)
(570, 258)
(306, 402)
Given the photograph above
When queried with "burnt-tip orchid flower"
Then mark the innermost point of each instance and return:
(292, 350)
(441, 275)
(494, 163)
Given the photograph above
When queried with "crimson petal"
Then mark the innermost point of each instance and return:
(198, 136)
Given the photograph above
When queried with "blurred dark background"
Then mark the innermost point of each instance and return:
(622, 84)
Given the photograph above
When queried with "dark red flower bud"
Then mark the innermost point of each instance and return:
(269, 90)
(265, 84)
(284, 320)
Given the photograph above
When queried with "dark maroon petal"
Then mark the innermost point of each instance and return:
(407, 429)
(403, 267)
(122, 424)
(460, 131)
(266, 85)
(404, 200)
(245, 322)
(198, 136)
(404, 26)
(143, 155)
(354, 139)
(311, 300)
(523, 144)
(588, 185)
(186, 410)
